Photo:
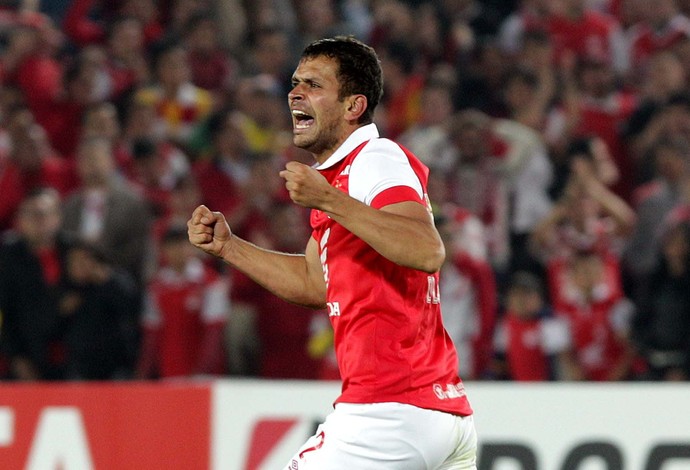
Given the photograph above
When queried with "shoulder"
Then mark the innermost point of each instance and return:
(382, 147)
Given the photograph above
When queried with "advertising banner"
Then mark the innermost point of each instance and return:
(104, 426)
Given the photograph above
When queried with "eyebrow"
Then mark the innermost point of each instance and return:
(308, 81)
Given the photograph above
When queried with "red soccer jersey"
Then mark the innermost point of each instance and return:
(184, 309)
(389, 337)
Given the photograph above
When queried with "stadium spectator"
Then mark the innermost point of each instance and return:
(185, 194)
(101, 120)
(531, 342)
(493, 155)
(187, 306)
(428, 136)
(99, 312)
(661, 327)
(30, 164)
(272, 54)
(264, 120)
(154, 172)
(31, 266)
(468, 290)
(212, 67)
(83, 29)
(655, 201)
(283, 330)
(577, 29)
(179, 105)
(556, 67)
(587, 215)
(587, 293)
(402, 89)
(593, 105)
(663, 83)
(106, 211)
(661, 27)
(227, 174)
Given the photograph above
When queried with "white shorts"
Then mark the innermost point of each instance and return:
(389, 436)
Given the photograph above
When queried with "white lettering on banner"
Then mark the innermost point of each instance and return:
(333, 309)
(60, 441)
(433, 293)
(324, 254)
(6, 426)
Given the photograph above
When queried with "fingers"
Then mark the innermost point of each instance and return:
(200, 225)
(201, 215)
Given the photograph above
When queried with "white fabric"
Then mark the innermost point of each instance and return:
(389, 436)
(379, 166)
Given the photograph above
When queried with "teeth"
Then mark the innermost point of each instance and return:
(296, 112)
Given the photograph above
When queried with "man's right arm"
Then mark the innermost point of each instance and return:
(296, 278)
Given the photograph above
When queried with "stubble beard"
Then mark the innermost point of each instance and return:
(321, 141)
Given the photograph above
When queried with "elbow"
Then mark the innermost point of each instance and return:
(433, 261)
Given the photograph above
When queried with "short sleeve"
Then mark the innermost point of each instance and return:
(381, 166)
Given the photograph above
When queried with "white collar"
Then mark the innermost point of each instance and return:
(359, 136)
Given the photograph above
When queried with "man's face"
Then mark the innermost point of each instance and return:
(317, 113)
(39, 219)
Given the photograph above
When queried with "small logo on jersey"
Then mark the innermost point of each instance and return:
(346, 171)
(451, 391)
(333, 309)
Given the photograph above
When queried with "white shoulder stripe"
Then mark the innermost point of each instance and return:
(381, 165)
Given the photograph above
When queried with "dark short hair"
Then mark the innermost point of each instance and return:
(359, 69)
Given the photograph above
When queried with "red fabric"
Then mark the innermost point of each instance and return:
(482, 277)
(218, 190)
(283, 330)
(388, 333)
(527, 361)
(403, 106)
(82, 30)
(12, 194)
(606, 121)
(648, 40)
(184, 343)
(14, 185)
(79, 27)
(596, 345)
(395, 195)
(209, 71)
(50, 265)
(587, 37)
(39, 77)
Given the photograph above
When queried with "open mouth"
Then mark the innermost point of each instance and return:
(302, 119)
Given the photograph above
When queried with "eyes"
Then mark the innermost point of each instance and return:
(308, 82)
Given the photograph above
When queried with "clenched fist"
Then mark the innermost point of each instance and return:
(307, 187)
(208, 231)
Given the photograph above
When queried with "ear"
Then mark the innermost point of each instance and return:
(355, 107)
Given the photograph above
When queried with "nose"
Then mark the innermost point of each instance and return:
(295, 93)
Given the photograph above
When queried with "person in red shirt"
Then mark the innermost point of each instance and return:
(31, 164)
(468, 289)
(530, 341)
(590, 298)
(185, 314)
(373, 261)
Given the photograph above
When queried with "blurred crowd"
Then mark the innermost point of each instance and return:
(557, 133)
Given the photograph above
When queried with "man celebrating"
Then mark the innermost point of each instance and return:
(373, 261)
